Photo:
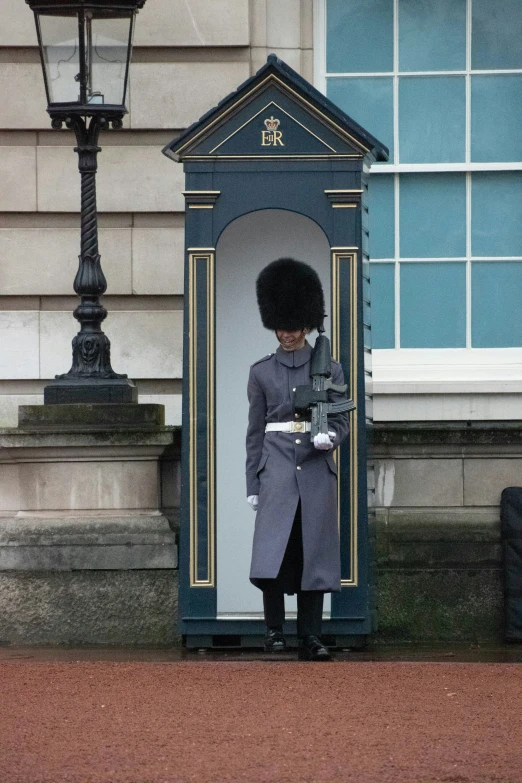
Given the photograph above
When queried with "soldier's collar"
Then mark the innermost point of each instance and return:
(294, 358)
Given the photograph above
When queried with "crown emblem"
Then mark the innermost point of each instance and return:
(272, 123)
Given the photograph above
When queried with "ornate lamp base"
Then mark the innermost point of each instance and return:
(77, 390)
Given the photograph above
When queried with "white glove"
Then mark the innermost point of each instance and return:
(324, 442)
(253, 501)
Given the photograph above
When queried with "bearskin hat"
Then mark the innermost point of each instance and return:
(290, 296)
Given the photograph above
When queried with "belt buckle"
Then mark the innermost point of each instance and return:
(299, 426)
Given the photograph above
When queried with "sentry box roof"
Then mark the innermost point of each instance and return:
(275, 113)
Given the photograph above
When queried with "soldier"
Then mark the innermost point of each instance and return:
(291, 480)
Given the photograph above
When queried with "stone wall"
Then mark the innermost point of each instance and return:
(438, 547)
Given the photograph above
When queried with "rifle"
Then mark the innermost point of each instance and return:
(314, 396)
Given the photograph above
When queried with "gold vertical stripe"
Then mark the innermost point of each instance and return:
(337, 256)
(210, 418)
(208, 259)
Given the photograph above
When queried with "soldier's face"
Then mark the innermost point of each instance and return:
(292, 341)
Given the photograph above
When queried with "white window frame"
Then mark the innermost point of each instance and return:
(433, 370)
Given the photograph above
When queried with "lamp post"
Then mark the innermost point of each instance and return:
(85, 48)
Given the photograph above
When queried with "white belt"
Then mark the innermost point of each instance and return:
(289, 426)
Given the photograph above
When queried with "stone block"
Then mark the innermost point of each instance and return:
(121, 608)
(130, 179)
(291, 56)
(59, 417)
(484, 479)
(83, 543)
(18, 178)
(158, 256)
(9, 407)
(19, 344)
(419, 482)
(283, 24)
(439, 538)
(144, 343)
(307, 24)
(171, 402)
(17, 27)
(49, 260)
(439, 605)
(194, 23)
(258, 23)
(23, 95)
(100, 485)
(9, 487)
(174, 95)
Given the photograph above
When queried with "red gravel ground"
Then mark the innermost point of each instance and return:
(106, 722)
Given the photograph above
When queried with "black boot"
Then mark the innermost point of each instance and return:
(274, 641)
(311, 649)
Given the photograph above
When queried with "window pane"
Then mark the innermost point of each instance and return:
(432, 215)
(496, 118)
(496, 227)
(383, 305)
(432, 35)
(369, 101)
(433, 305)
(381, 217)
(496, 304)
(496, 38)
(427, 134)
(359, 36)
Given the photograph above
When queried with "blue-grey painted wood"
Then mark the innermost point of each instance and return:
(235, 164)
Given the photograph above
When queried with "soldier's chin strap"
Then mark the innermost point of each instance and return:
(304, 333)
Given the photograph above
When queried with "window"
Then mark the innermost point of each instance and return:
(440, 83)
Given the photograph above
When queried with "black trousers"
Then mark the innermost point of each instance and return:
(309, 602)
(309, 610)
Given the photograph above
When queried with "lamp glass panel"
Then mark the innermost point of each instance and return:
(107, 47)
(61, 57)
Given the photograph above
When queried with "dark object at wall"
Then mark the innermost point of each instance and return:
(511, 519)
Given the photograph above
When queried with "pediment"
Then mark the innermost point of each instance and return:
(276, 113)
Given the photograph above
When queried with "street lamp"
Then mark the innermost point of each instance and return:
(85, 48)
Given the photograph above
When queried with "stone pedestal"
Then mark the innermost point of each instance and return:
(88, 547)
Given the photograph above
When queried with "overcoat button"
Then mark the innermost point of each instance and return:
(299, 467)
(298, 441)
(296, 415)
(293, 389)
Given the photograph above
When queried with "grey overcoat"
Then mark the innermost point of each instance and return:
(283, 468)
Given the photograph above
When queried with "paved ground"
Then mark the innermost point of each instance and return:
(237, 718)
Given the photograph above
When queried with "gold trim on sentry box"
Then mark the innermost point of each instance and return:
(208, 258)
(339, 255)
(267, 156)
(344, 206)
(271, 103)
(285, 88)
